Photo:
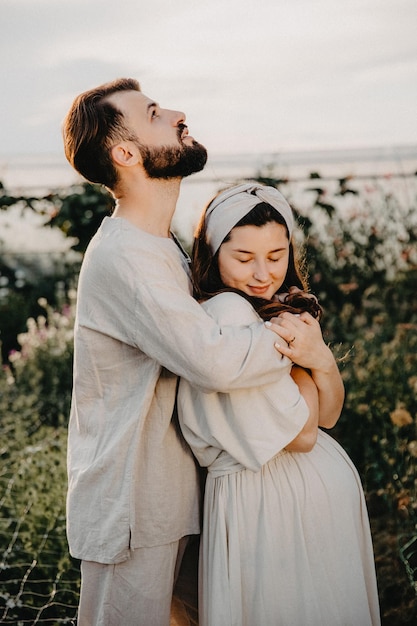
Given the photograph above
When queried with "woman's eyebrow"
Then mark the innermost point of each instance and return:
(251, 252)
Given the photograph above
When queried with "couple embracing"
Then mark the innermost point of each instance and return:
(219, 363)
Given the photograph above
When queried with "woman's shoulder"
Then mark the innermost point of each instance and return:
(231, 309)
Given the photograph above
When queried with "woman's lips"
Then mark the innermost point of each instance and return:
(259, 291)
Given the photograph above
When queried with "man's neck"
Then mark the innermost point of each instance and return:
(149, 204)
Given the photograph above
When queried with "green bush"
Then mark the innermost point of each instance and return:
(379, 422)
(38, 578)
(362, 260)
(42, 368)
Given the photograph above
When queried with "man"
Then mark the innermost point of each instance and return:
(133, 486)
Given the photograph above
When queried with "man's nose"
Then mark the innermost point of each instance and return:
(178, 117)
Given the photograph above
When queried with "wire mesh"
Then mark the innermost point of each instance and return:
(408, 555)
(39, 581)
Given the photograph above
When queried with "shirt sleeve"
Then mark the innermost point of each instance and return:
(143, 298)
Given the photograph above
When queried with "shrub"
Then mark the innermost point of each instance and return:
(42, 369)
(380, 414)
(38, 578)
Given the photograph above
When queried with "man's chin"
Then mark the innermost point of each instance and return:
(169, 162)
(197, 159)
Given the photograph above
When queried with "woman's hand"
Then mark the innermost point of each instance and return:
(303, 341)
(303, 344)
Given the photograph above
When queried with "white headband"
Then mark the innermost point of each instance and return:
(230, 206)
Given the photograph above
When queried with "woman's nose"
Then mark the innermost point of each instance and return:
(261, 272)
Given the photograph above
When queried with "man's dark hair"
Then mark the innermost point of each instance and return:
(91, 127)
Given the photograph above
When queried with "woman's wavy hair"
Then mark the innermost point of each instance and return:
(206, 274)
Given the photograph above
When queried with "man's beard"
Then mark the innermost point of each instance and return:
(173, 161)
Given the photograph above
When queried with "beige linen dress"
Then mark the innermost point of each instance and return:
(286, 538)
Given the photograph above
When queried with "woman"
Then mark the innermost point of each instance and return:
(286, 537)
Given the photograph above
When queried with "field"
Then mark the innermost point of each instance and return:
(361, 245)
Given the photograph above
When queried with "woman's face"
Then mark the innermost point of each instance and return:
(255, 259)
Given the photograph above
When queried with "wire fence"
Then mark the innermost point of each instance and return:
(39, 581)
(408, 555)
(36, 592)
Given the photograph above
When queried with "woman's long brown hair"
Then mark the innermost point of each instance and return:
(207, 281)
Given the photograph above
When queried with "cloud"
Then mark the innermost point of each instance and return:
(271, 73)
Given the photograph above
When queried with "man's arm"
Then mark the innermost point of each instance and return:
(141, 296)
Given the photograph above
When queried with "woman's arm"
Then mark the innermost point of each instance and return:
(306, 439)
(307, 349)
(331, 391)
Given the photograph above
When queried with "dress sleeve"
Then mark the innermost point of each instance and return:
(251, 425)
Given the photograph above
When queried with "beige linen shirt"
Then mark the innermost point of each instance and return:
(132, 478)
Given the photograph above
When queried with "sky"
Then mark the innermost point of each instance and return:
(252, 76)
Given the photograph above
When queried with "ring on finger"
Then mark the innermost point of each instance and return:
(291, 340)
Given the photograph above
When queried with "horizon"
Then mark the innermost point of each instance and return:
(404, 145)
(388, 165)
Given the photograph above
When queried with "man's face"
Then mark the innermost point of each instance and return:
(161, 136)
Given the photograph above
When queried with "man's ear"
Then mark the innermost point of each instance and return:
(125, 154)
